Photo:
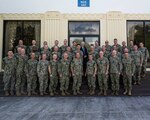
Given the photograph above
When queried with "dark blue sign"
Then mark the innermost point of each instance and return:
(83, 3)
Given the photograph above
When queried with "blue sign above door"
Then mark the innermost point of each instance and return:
(83, 3)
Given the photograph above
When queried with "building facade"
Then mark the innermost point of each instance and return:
(53, 25)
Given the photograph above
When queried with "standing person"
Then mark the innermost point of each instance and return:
(85, 56)
(46, 51)
(9, 65)
(102, 73)
(115, 70)
(145, 55)
(118, 46)
(53, 71)
(56, 43)
(138, 60)
(97, 47)
(33, 47)
(91, 74)
(63, 48)
(131, 46)
(70, 54)
(20, 44)
(124, 46)
(93, 53)
(107, 46)
(42, 71)
(31, 73)
(20, 73)
(127, 72)
(56, 51)
(74, 46)
(44, 44)
(64, 73)
(77, 72)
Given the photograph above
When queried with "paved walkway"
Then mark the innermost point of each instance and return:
(75, 108)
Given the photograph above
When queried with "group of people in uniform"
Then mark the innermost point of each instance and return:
(35, 70)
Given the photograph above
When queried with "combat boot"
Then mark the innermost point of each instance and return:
(74, 92)
(12, 92)
(63, 93)
(78, 92)
(23, 93)
(129, 93)
(116, 93)
(34, 93)
(51, 94)
(125, 92)
(41, 93)
(92, 92)
(66, 92)
(18, 93)
(101, 92)
(6, 93)
(29, 93)
(105, 92)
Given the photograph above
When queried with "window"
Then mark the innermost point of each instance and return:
(16, 30)
(139, 31)
(88, 31)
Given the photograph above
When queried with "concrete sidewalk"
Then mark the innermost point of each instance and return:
(75, 108)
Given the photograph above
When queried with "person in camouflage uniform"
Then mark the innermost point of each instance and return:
(53, 71)
(42, 71)
(124, 46)
(70, 54)
(31, 73)
(127, 72)
(115, 70)
(64, 73)
(107, 46)
(138, 59)
(9, 65)
(56, 43)
(20, 44)
(18, 52)
(56, 51)
(118, 46)
(131, 46)
(74, 46)
(77, 72)
(91, 70)
(145, 54)
(44, 44)
(97, 47)
(47, 52)
(78, 50)
(93, 53)
(102, 73)
(63, 48)
(33, 47)
(20, 73)
(105, 52)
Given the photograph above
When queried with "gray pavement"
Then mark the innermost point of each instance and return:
(75, 108)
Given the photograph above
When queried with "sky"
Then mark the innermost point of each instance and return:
(70, 6)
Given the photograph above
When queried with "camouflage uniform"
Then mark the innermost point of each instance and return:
(31, 73)
(74, 48)
(20, 73)
(137, 58)
(97, 49)
(42, 70)
(94, 54)
(64, 70)
(90, 70)
(145, 55)
(102, 65)
(54, 76)
(127, 72)
(42, 49)
(63, 48)
(108, 48)
(77, 67)
(58, 55)
(48, 54)
(22, 46)
(33, 49)
(130, 48)
(118, 47)
(70, 56)
(9, 66)
(115, 69)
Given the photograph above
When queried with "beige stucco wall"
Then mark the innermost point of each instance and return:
(54, 25)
